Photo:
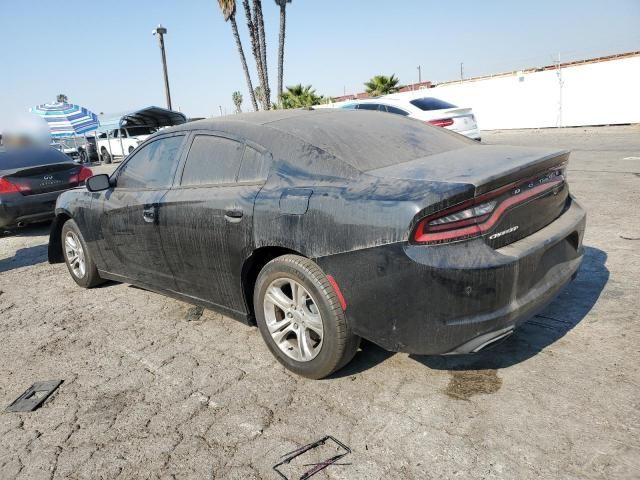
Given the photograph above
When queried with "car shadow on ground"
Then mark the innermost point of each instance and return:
(25, 257)
(554, 322)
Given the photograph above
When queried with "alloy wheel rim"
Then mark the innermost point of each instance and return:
(75, 254)
(293, 319)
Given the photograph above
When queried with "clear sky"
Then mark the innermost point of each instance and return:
(103, 56)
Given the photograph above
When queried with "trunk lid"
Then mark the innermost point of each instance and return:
(463, 118)
(485, 166)
(45, 178)
(488, 169)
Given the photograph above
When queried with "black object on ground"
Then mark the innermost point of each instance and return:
(34, 396)
(287, 457)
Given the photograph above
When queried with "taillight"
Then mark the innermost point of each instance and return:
(475, 217)
(81, 176)
(84, 174)
(8, 187)
(441, 122)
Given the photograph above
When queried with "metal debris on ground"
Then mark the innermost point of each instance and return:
(34, 396)
(316, 467)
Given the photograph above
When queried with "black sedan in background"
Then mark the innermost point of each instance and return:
(31, 179)
(328, 226)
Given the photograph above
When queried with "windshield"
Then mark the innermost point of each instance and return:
(431, 104)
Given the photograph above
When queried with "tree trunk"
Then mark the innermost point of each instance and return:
(234, 27)
(255, 45)
(283, 21)
(262, 48)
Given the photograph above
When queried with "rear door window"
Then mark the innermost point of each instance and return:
(368, 106)
(153, 165)
(212, 161)
(255, 166)
(397, 111)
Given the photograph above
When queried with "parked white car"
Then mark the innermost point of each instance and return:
(120, 142)
(428, 109)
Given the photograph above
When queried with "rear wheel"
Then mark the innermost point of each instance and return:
(77, 257)
(300, 318)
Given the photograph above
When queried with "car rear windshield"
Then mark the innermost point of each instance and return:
(15, 158)
(429, 103)
(368, 140)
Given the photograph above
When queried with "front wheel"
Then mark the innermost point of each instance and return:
(300, 318)
(77, 257)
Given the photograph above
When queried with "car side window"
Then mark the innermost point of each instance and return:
(397, 111)
(254, 167)
(351, 106)
(152, 166)
(123, 133)
(368, 106)
(211, 161)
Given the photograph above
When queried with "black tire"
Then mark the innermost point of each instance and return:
(90, 277)
(339, 344)
(106, 158)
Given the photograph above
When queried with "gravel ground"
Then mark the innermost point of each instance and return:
(153, 388)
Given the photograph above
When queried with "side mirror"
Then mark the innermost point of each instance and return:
(98, 183)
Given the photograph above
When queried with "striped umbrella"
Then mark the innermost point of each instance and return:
(66, 119)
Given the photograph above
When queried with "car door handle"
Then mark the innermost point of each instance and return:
(149, 214)
(233, 215)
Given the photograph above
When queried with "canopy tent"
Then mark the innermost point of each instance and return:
(147, 117)
(65, 119)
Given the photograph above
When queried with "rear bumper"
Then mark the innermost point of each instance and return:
(16, 208)
(456, 298)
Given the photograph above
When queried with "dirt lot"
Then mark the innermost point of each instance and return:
(151, 389)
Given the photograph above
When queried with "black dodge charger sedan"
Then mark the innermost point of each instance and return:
(31, 178)
(324, 227)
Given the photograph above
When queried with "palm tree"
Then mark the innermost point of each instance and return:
(283, 20)
(262, 42)
(298, 96)
(237, 101)
(382, 85)
(228, 8)
(255, 25)
(259, 93)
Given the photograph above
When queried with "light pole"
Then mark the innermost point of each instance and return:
(161, 31)
(419, 74)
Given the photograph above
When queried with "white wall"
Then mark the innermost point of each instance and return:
(591, 94)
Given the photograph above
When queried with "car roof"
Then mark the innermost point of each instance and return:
(362, 139)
